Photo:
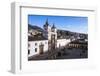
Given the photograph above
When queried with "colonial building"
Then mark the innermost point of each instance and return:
(45, 41)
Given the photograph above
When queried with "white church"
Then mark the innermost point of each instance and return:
(42, 45)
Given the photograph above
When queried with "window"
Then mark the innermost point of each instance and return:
(35, 49)
(28, 51)
(35, 44)
(53, 30)
(45, 42)
(31, 33)
(28, 45)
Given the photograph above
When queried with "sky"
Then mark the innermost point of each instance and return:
(71, 23)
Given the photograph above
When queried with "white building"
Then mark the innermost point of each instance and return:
(62, 42)
(37, 47)
(42, 45)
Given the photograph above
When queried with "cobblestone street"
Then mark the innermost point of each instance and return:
(64, 53)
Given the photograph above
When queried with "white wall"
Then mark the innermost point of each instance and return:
(62, 42)
(5, 42)
(33, 46)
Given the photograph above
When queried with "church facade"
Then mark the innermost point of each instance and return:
(51, 42)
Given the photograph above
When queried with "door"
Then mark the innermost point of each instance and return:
(41, 47)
